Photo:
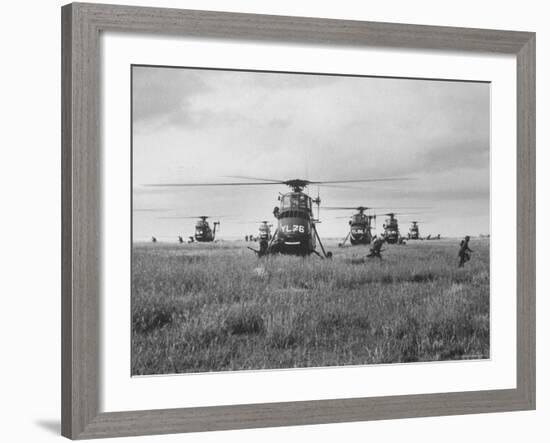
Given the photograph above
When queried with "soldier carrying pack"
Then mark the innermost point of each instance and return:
(376, 249)
(464, 251)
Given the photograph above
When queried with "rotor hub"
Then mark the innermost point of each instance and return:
(297, 185)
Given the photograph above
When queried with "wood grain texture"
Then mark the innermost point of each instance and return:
(80, 219)
(299, 413)
(526, 220)
(66, 223)
(81, 204)
(230, 25)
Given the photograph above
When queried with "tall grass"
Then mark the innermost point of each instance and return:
(216, 307)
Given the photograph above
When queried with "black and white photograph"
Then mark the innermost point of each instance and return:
(288, 220)
(275, 222)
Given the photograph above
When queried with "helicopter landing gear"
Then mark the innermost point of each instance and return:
(273, 248)
(341, 245)
(325, 253)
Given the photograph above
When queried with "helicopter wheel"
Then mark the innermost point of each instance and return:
(340, 245)
(329, 255)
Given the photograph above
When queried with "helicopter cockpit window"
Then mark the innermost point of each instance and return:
(285, 202)
(295, 202)
(358, 218)
(305, 202)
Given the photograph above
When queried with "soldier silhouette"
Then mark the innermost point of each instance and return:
(180, 239)
(263, 247)
(464, 251)
(376, 247)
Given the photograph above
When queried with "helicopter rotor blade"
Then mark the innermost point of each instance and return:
(358, 207)
(250, 222)
(173, 218)
(401, 214)
(350, 208)
(364, 180)
(185, 185)
(243, 177)
(337, 186)
(266, 181)
(413, 207)
(192, 216)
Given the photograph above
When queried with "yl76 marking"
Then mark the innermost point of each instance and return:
(295, 228)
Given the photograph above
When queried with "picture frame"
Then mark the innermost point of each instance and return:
(81, 225)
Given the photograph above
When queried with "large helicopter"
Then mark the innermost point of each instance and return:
(296, 232)
(391, 227)
(203, 231)
(360, 225)
(414, 231)
(265, 230)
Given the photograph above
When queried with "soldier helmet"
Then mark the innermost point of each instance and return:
(467, 237)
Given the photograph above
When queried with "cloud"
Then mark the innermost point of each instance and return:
(279, 123)
(203, 125)
(163, 94)
(452, 156)
(437, 194)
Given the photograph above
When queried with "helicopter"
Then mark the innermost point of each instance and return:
(360, 225)
(203, 231)
(414, 231)
(391, 229)
(265, 230)
(296, 232)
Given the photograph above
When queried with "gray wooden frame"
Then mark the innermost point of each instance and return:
(81, 26)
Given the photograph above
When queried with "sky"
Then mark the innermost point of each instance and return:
(198, 125)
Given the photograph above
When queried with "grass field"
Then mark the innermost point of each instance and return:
(216, 307)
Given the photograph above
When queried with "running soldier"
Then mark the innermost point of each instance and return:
(464, 251)
(376, 248)
(264, 246)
